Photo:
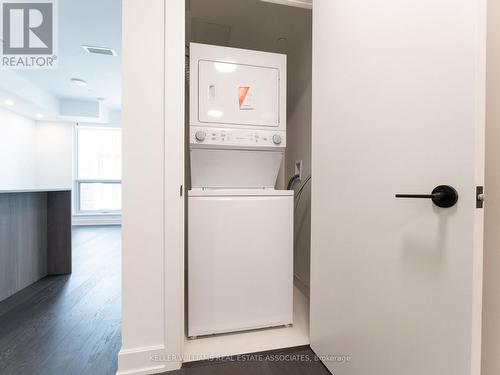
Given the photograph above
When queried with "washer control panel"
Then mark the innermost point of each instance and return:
(236, 137)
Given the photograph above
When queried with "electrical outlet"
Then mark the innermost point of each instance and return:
(298, 169)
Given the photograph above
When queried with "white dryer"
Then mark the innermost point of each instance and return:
(240, 229)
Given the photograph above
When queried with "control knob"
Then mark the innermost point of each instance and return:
(277, 139)
(200, 135)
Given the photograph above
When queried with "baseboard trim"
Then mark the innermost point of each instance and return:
(145, 360)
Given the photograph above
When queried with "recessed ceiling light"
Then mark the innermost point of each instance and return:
(39, 115)
(99, 50)
(79, 82)
(8, 102)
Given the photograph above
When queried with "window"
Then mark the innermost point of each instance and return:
(98, 170)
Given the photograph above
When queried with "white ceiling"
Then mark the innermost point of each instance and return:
(82, 22)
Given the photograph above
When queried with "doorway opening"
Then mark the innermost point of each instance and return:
(264, 27)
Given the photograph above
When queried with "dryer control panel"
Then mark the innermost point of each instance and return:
(247, 138)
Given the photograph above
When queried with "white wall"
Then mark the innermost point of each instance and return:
(54, 150)
(34, 154)
(152, 134)
(17, 151)
(491, 284)
(142, 181)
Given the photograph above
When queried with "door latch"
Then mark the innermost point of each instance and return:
(479, 196)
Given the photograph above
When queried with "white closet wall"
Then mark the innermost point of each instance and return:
(299, 145)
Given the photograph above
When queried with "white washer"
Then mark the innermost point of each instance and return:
(240, 264)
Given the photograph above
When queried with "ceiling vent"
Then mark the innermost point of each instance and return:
(99, 50)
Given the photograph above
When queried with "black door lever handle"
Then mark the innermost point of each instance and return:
(442, 196)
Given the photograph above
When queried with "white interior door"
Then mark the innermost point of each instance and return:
(398, 107)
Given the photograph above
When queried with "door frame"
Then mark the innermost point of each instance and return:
(174, 209)
(480, 176)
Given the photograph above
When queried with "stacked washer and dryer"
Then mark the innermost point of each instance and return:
(240, 229)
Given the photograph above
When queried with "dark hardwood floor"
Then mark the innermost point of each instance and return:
(292, 361)
(68, 324)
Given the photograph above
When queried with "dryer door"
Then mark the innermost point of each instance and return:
(238, 94)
